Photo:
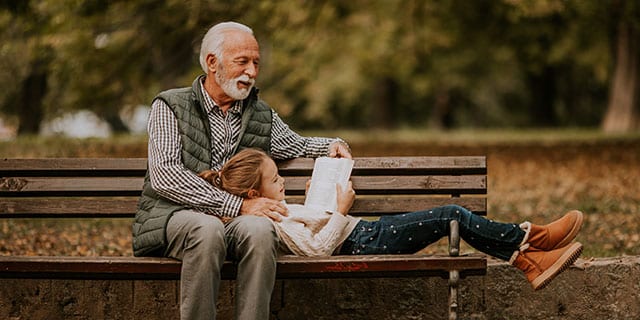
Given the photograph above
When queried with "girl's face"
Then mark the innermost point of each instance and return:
(272, 186)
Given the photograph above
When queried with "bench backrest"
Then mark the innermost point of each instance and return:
(104, 187)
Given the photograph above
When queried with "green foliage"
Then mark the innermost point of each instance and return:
(329, 64)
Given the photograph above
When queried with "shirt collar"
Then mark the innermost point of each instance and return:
(210, 105)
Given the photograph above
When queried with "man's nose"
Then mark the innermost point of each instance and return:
(251, 70)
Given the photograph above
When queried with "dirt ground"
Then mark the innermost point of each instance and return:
(527, 181)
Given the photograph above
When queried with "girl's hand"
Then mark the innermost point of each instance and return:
(345, 198)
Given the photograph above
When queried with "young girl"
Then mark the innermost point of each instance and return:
(541, 252)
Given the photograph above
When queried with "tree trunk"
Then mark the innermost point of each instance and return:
(32, 93)
(440, 118)
(622, 114)
(384, 102)
(543, 88)
(116, 124)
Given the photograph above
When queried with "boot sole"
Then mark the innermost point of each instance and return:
(567, 259)
(573, 233)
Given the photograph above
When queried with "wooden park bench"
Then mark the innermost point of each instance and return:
(109, 188)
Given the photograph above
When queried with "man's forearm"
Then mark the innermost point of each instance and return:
(286, 143)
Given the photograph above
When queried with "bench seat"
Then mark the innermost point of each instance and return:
(289, 267)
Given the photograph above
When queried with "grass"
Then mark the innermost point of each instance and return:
(533, 175)
(60, 147)
(486, 137)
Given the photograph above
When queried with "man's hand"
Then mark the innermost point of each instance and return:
(339, 149)
(264, 207)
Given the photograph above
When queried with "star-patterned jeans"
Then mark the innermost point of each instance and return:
(411, 232)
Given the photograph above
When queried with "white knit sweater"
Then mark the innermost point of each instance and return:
(309, 232)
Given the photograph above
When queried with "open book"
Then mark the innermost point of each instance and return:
(327, 172)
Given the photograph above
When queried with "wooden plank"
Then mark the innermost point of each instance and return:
(73, 166)
(92, 207)
(420, 184)
(384, 165)
(473, 184)
(58, 267)
(379, 266)
(61, 267)
(398, 165)
(83, 164)
(377, 206)
(416, 184)
(71, 185)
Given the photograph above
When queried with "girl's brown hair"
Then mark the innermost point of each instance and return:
(242, 173)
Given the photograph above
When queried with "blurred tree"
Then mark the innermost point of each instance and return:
(534, 29)
(383, 65)
(564, 48)
(623, 110)
(332, 63)
(26, 61)
(100, 55)
(32, 91)
(118, 53)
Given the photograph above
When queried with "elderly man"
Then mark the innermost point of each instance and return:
(182, 216)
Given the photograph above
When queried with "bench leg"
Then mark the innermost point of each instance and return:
(454, 238)
(454, 275)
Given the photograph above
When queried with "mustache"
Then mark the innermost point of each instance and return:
(245, 78)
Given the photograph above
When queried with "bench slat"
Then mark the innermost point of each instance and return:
(137, 166)
(70, 167)
(69, 186)
(56, 267)
(397, 165)
(415, 184)
(126, 207)
(380, 266)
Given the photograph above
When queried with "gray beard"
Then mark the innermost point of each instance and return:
(230, 87)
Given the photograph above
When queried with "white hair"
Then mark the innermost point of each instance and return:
(214, 39)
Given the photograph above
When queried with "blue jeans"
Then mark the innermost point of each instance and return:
(411, 232)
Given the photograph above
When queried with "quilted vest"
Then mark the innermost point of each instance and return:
(154, 211)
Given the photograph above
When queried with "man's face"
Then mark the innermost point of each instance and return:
(239, 67)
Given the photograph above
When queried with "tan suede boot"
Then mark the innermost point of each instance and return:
(554, 235)
(541, 267)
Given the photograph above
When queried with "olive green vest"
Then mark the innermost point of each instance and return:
(154, 211)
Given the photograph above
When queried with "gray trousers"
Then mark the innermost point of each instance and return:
(202, 242)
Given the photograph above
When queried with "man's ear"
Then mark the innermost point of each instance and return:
(211, 61)
(253, 193)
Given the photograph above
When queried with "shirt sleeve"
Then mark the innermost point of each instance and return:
(168, 175)
(321, 243)
(286, 143)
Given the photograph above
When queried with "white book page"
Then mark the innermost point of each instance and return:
(327, 172)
